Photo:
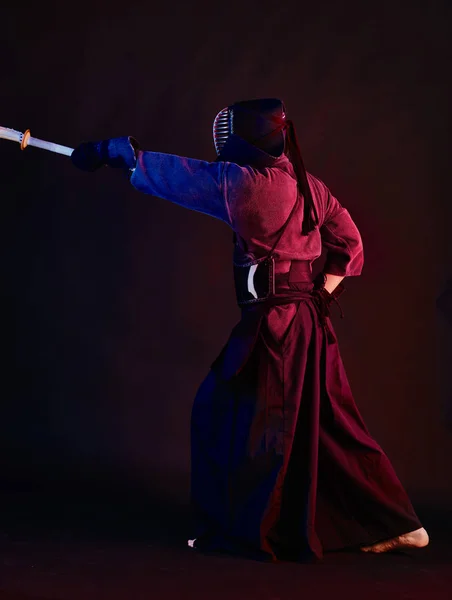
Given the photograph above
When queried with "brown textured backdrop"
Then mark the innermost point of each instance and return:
(115, 303)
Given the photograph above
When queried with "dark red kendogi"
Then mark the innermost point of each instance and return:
(283, 466)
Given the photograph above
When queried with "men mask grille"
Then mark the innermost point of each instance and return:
(222, 128)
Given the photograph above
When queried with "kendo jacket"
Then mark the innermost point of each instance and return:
(255, 203)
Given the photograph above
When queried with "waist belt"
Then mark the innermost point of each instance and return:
(256, 283)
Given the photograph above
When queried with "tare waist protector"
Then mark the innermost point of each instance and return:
(254, 280)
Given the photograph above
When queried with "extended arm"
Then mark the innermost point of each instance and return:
(195, 184)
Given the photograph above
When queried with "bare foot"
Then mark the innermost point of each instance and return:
(414, 539)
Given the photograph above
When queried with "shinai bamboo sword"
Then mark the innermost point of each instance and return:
(25, 139)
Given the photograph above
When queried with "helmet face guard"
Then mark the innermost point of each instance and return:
(222, 129)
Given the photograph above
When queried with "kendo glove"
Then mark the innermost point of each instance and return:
(323, 298)
(119, 153)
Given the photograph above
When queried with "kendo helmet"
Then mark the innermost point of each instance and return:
(259, 122)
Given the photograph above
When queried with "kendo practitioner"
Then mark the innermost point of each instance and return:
(283, 466)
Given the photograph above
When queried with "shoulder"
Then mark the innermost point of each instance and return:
(247, 176)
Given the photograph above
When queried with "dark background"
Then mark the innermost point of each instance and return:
(115, 303)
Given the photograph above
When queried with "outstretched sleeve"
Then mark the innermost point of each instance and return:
(341, 238)
(195, 184)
